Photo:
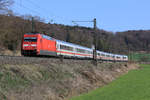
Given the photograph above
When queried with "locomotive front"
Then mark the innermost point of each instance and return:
(29, 44)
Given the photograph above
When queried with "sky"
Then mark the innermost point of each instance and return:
(111, 15)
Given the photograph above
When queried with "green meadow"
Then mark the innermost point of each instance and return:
(139, 57)
(133, 86)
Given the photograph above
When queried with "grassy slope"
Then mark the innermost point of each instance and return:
(139, 56)
(133, 86)
(20, 77)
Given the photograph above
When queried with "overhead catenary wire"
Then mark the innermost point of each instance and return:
(52, 14)
(42, 12)
(29, 9)
(75, 22)
(40, 8)
(36, 13)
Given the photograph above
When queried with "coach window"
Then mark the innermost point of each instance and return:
(83, 51)
(71, 48)
(118, 57)
(100, 54)
(64, 47)
(103, 55)
(88, 52)
(80, 50)
(124, 57)
(107, 55)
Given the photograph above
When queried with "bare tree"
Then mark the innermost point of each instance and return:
(4, 4)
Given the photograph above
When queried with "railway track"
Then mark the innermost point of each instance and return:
(5, 59)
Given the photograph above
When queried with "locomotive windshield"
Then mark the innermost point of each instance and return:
(30, 39)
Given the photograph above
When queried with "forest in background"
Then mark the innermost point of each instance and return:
(13, 27)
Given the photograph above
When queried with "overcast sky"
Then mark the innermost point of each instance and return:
(111, 15)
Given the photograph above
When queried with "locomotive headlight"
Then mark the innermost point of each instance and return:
(34, 45)
(25, 45)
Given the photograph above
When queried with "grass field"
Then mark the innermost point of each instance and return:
(133, 86)
(139, 57)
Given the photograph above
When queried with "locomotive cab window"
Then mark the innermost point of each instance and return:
(30, 39)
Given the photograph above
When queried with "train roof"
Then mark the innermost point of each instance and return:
(47, 37)
(75, 45)
(43, 36)
(31, 33)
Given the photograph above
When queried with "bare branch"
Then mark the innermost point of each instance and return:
(4, 4)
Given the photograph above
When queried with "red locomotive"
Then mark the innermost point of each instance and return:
(38, 44)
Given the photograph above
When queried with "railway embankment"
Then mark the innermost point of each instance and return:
(51, 79)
